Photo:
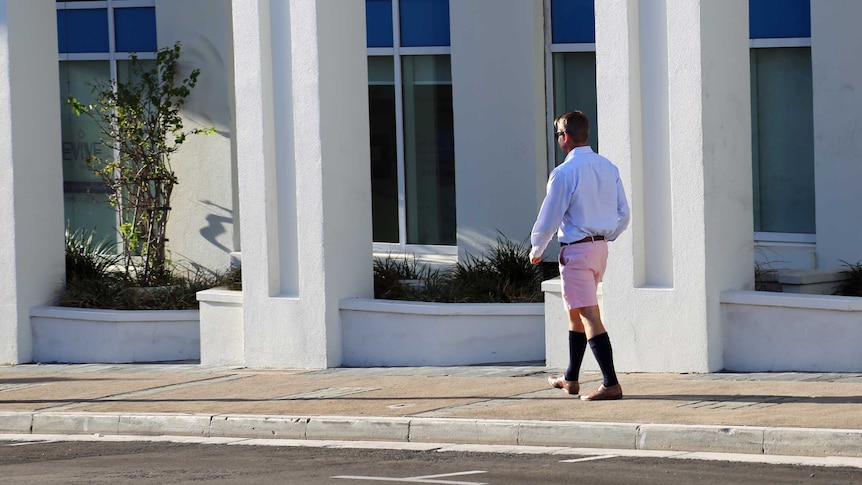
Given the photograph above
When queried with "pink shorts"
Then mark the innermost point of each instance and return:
(582, 267)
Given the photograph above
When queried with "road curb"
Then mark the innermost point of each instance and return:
(655, 437)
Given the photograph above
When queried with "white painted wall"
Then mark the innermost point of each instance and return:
(837, 71)
(779, 332)
(221, 327)
(82, 335)
(664, 315)
(204, 218)
(303, 166)
(31, 179)
(410, 333)
(557, 327)
(498, 90)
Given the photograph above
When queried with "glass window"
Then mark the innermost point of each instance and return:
(424, 22)
(782, 140)
(384, 149)
(86, 199)
(135, 29)
(573, 67)
(575, 88)
(429, 154)
(378, 22)
(776, 19)
(411, 123)
(82, 30)
(573, 22)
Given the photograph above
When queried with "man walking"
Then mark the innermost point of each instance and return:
(586, 206)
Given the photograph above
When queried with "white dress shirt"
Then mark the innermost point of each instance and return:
(585, 197)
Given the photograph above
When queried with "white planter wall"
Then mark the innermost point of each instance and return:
(791, 332)
(403, 333)
(557, 329)
(79, 335)
(221, 327)
(763, 332)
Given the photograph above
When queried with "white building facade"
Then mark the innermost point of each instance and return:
(732, 121)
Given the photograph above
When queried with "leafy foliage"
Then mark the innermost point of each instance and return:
(141, 125)
(503, 275)
(87, 258)
(117, 293)
(94, 280)
(394, 278)
(232, 279)
(852, 286)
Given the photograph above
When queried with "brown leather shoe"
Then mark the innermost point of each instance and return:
(604, 394)
(560, 382)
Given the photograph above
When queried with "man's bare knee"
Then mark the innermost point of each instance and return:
(591, 321)
(575, 321)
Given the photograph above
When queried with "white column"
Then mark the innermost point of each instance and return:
(836, 69)
(498, 91)
(31, 176)
(674, 103)
(304, 175)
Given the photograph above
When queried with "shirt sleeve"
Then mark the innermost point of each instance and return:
(550, 215)
(623, 211)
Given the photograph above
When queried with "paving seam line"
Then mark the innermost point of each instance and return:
(144, 392)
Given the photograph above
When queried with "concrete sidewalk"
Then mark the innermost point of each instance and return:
(771, 413)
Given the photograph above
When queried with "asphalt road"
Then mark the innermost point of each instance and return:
(173, 463)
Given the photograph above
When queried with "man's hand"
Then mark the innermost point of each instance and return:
(534, 257)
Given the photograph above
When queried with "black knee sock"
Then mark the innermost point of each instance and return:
(601, 347)
(577, 347)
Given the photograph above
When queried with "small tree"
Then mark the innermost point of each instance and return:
(140, 122)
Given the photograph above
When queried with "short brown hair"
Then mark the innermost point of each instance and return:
(576, 124)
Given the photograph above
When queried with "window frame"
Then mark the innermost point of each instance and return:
(112, 56)
(764, 237)
(396, 52)
(550, 50)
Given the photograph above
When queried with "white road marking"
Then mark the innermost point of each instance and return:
(589, 458)
(421, 479)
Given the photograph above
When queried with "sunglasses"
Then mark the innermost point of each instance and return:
(558, 133)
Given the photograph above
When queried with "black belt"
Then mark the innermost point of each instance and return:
(586, 239)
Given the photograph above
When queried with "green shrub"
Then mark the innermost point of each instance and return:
(852, 286)
(233, 279)
(390, 275)
(88, 258)
(503, 275)
(93, 280)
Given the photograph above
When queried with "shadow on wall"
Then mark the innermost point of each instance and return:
(210, 104)
(216, 225)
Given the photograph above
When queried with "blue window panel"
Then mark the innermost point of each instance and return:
(424, 23)
(777, 19)
(82, 30)
(573, 22)
(378, 23)
(135, 29)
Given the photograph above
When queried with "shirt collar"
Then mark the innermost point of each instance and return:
(579, 151)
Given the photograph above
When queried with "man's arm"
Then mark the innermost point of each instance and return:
(623, 211)
(550, 216)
